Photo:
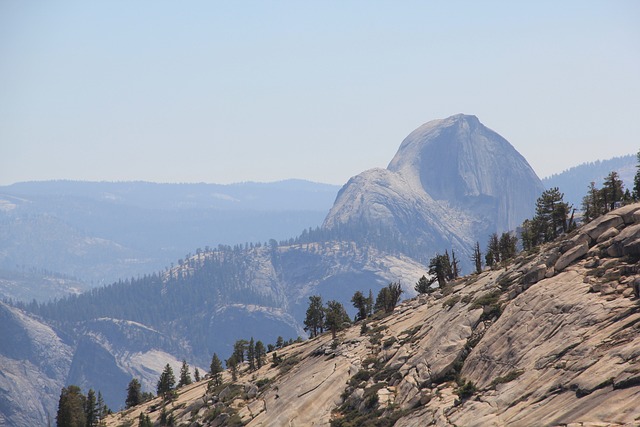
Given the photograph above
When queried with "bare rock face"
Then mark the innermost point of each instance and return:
(514, 347)
(461, 161)
(451, 183)
(36, 356)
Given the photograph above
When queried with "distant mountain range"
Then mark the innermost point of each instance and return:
(574, 181)
(451, 184)
(95, 233)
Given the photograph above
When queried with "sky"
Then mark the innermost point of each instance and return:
(223, 92)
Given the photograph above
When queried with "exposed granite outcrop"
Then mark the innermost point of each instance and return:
(451, 183)
(513, 347)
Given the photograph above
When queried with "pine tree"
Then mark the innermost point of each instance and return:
(314, 320)
(636, 181)
(196, 375)
(103, 410)
(388, 297)
(239, 349)
(612, 190)
(260, 354)
(232, 366)
(440, 269)
(477, 258)
(167, 381)
(507, 245)
(592, 203)
(359, 303)
(91, 409)
(185, 375)
(492, 256)
(71, 408)
(101, 407)
(423, 286)
(370, 304)
(455, 269)
(551, 214)
(134, 394)
(216, 370)
(279, 342)
(336, 317)
(144, 420)
(251, 355)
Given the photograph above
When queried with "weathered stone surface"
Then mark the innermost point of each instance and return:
(571, 255)
(452, 182)
(559, 354)
(534, 275)
(632, 248)
(576, 240)
(595, 228)
(628, 213)
(612, 232)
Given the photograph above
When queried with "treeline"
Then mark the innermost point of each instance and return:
(333, 316)
(383, 239)
(599, 201)
(77, 410)
(219, 277)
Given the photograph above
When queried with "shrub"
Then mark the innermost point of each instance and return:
(361, 376)
(451, 301)
(389, 342)
(512, 375)
(364, 329)
(465, 389)
(261, 383)
(487, 299)
(288, 363)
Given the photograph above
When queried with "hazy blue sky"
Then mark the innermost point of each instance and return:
(267, 90)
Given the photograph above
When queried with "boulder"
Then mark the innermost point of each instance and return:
(632, 248)
(595, 228)
(534, 275)
(612, 232)
(628, 236)
(629, 213)
(578, 239)
(571, 255)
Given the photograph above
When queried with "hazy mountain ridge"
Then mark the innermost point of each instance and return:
(102, 232)
(575, 181)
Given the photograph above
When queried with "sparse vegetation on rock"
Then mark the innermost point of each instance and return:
(508, 345)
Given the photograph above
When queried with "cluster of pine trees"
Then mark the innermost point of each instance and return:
(599, 201)
(254, 352)
(77, 410)
(333, 317)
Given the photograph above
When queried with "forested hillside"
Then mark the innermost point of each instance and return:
(574, 182)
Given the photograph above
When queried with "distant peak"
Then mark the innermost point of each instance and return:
(462, 116)
(466, 118)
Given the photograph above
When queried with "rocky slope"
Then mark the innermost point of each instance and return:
(451, 183)
(104, 351)
(35, 361)
(553, 338)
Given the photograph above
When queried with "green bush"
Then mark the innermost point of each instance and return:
(451, 301)
(465, 389)
(512, 375)
(389, 342)
(361, 376)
